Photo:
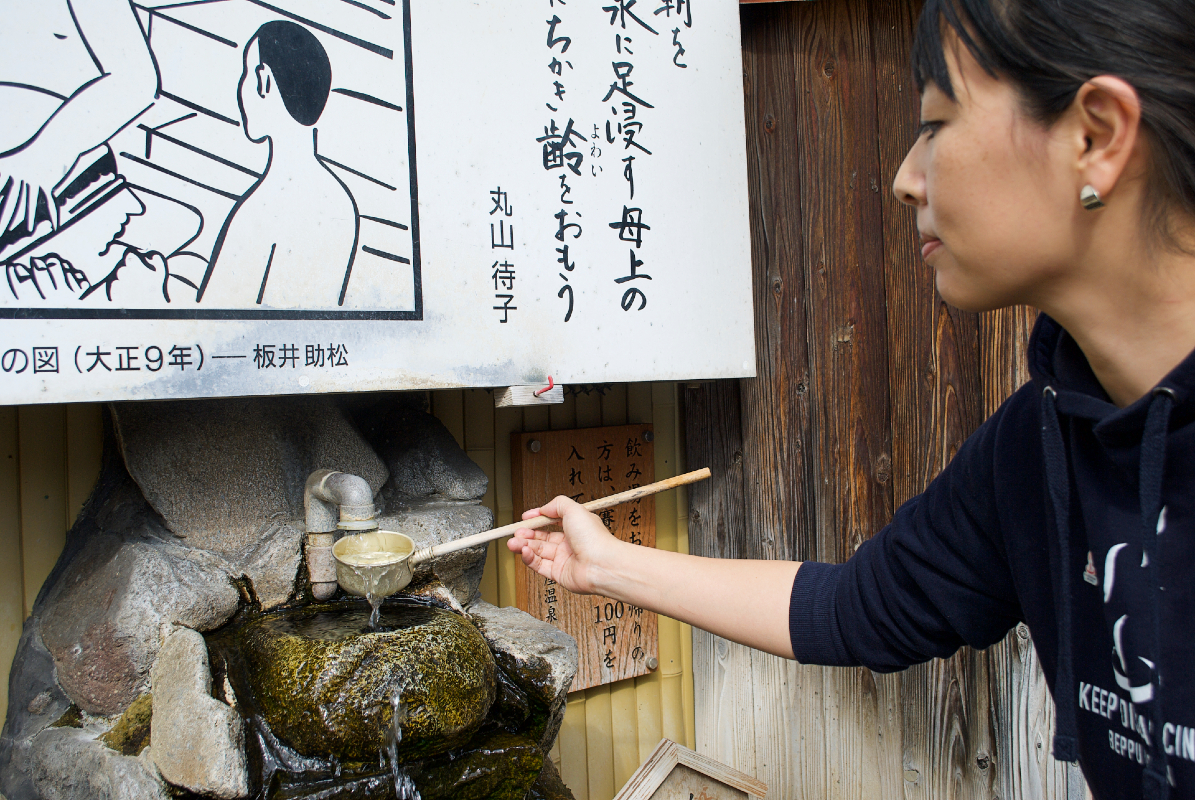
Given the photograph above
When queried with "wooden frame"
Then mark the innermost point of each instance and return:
(665, 759)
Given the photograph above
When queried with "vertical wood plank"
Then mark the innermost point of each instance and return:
(12, 593)
(84, 453)
(671, 669)
(574, 750)
(841, 218)
(537, 418)
(42, 434)
(506, 422)
(599, 741)
(562, 416)
(682, 546)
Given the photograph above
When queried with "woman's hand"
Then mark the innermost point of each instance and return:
(576, 558)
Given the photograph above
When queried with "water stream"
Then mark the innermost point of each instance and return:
(404, 787)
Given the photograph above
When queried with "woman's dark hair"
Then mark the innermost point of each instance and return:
(1049, 48)
(300, 66)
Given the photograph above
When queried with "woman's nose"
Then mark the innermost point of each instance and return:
(909, 184)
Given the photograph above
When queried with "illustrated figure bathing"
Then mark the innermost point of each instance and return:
(291, 240)
(72, 74)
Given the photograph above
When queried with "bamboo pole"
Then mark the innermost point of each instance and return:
(671, 691)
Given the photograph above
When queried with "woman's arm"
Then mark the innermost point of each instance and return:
(744, 601)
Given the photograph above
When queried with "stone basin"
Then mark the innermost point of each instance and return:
(324, 680)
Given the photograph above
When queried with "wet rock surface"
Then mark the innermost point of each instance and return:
(198, 741)
(549, 786)
(540, 659)
(325, 682)
(501, 766)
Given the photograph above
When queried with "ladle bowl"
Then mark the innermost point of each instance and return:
(374, 563)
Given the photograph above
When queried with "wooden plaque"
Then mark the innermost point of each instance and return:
(673, 772)
(615, 640)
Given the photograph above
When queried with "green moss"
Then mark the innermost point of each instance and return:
(71, 718)
(130, 735)
(500, 766)
(323, 680)
(549, 786)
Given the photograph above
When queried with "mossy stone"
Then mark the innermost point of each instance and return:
(71, 718)
(130, 735)
(324, 681)
(501, 766)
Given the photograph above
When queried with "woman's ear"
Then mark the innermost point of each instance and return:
(1108, 115)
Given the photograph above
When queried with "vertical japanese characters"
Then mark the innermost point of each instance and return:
(564, 140)
(502, 237)
(561, 151)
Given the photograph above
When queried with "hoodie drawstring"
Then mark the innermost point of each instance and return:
(1156, 784)
(1153, 462)
(1066, 742)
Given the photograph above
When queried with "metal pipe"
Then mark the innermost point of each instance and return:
(333, 501)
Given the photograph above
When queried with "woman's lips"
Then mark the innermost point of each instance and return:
(930, 247)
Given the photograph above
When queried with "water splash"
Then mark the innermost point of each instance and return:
(404, 787)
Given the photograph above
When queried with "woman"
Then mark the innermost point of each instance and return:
(1055, 167)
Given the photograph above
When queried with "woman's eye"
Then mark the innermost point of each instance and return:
(930, 126)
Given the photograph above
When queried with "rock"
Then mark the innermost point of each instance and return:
(198, 741)
(271, 562)
(71, 764)
(100, 618)
(34, 701)
(502, 766)
(549, 786)
(217, 470)
(423, 457)
(539, 658)
(130, 735)
(435, 523)
(324, 681)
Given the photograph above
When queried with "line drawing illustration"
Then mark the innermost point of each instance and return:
(221, 159)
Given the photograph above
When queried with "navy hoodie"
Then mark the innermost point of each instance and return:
(1068, 514)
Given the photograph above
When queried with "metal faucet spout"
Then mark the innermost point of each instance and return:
(333, 501)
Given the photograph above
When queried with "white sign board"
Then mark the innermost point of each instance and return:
(235, 197)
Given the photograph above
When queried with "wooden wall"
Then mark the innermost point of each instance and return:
(50, 459)
(867, 385)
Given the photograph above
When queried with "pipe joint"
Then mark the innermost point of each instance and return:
(333, 501)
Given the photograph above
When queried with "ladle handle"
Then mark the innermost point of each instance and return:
(543, 522)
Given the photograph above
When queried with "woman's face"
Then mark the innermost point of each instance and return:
(994, 192)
